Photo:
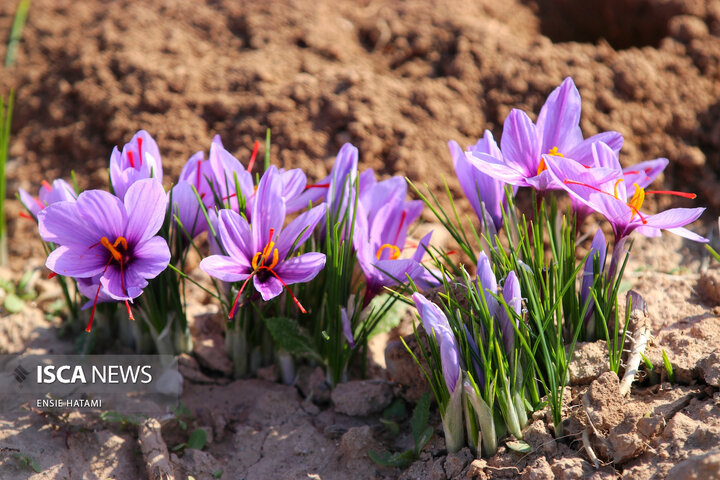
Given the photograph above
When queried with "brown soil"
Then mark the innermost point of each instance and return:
(398, 79)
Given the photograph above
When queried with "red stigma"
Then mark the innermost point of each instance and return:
(237, 297)
(318, 185)
(140, 150)
(25, 215)
(52, 275)
(691, 196)
(47, 186)
(402, 221)
(130, 314)
(130, 159)
(256, 147)
(197, 175)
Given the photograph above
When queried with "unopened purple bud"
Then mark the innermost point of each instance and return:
(434, 320)
(512, 296)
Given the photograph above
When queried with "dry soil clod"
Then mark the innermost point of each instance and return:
(155, 452)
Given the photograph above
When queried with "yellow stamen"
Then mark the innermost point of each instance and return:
(113, 247)
(259, 258)
(638, 198)
(554, 151)
(616, 185)
(541, 166)
(254, 262)
(394, 251)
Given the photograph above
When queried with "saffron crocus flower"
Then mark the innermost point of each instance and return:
(337, 189)
(557, 133)
(487, 283)
(140, 158)
(226, 169)
(604, 191)
(513, 298)
(479, 187)
(261, 249)
(381, 226)
(58, 191)
(436, 324)
(598, 250)
(99, 235)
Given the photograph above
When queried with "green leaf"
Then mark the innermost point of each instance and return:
(420, 418)
(13, 303)
(24, 281)
(519, 446)
(28, 462)
(424, 439)
(668, 367)
(182, 425)
(392, 316)
(197, 439)
(392, 426)
(387, 459)
(217, 473)
(287, 335)
(396, 410)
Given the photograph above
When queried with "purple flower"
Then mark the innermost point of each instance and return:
(225, 170)
(434, 320)
(139, 159)
(513, 298)
(598, 250)
(603, 190)
(487, 283)
(477, 185)
(185, 205)
(557, 133)
(100, 235)
(337, 189)
(347, 328)
(381, 226)
(261, 249)
(59, 191)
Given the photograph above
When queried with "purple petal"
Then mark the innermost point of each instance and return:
(347, 328)
(391, 190)
(644, 173)
(559, 119)
(227, 269)
(597, 249)
(299, 230)
(422, 247)
(124, 285)
(685, 233)
(235, 236)
(434, 320)
(512, 296)
(104, 213)
(300, 269)
(488, 282)
(294, 182)
(342, 176)
(496, 169)
(150, 257)
(582, 152)
(62, 224)
(519, 144)
(269, 288)
(187, 209)
(77, 262)
(60, 191)
(30, 202)
(603, 157)
(673, 218)
(146, 205)
(268, 212)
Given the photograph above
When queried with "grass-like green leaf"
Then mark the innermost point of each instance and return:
(197, 439)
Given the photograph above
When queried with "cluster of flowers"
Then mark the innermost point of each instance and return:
(113, 244)
(483, 360)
